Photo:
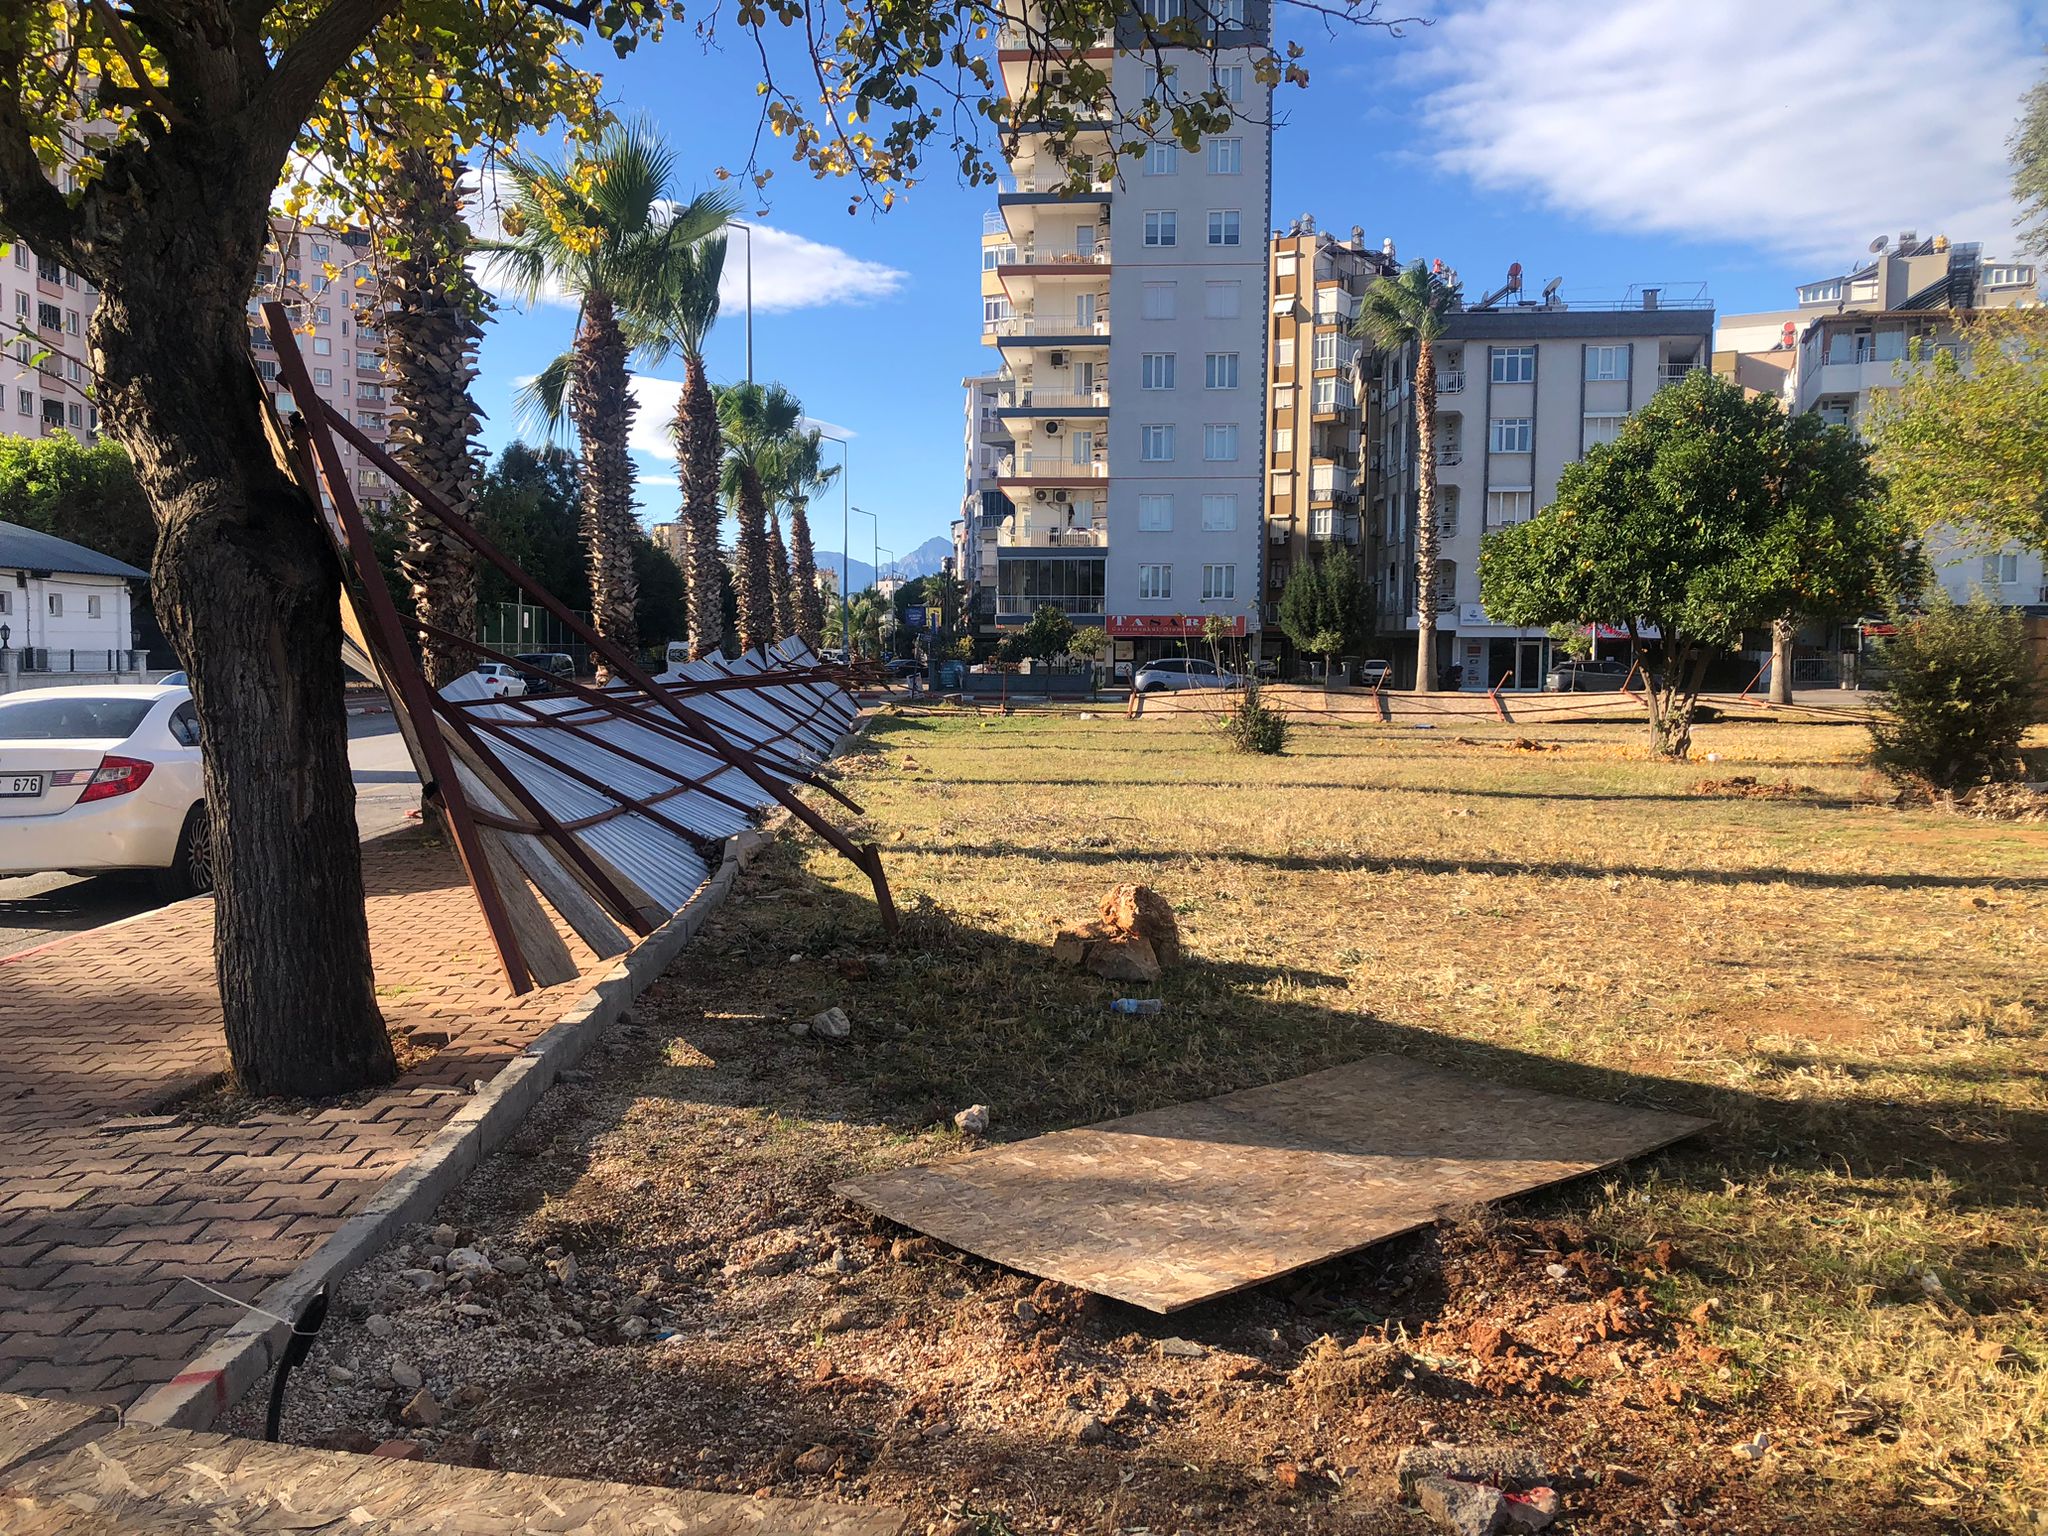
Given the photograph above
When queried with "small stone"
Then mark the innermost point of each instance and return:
(340, 1375)
(471, 1309)
(817, 1461)
(832, 1024)
(1506, 1466)
(469, 1395)
(398, 1450)
(511, 1264)
(422, 1280)
(422, 1411)
(468, 1261)
(633, 1328)
(974, 1120)
(1753, 1449)
(1086, 1429)
(1533, 1510)
(839, 1320)
(1488, 1340)
(446, 1236)
(1556, 1271)
(842, 1263)
(1025, 1313)
(379, 1326)
(1464, 1509)
(904, 1249)
(1292, 1476)
(405, 1373)
(799, 1027)
(1182, 1349)
(564, 1269)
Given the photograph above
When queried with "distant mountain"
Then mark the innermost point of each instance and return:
(928, 557)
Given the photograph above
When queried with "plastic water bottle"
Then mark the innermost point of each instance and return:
(1138, 1005)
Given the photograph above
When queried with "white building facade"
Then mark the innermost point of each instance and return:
(65, 610)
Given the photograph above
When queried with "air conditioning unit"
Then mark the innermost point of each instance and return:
(1059, 495)
(1057, 360)
(1038, 495)
(1052, 429)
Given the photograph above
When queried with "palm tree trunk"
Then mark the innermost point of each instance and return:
(698, 445)
(803, 576)
(751, 579)
(602, 406)
(778, 578)
(434, 323)
(1782, 631)
(1425, 518)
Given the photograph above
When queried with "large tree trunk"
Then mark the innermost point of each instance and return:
(434, 324)
(1425, 518)
(752, 582)
(248, 587)
(778, 578)
(803, 575)
(1781, 660)
(601, 403)
(697, 448)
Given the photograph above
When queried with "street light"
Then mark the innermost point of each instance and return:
(748, 230)
(844, 623)
(845, 537)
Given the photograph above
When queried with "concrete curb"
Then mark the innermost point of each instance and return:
(243, 1355)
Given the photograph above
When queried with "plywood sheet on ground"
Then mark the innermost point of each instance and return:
(29, 1426)
(1180, 1205)
(150, 1482)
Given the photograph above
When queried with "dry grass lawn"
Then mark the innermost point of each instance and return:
(1850, 1265)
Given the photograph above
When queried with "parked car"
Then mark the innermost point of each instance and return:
(1377, 674)
(174, 680)
(832, 656)
(500, 680)
(95, 779)
(554, 663)
(1603, 676)
(1175, 672)
(905, 666)
(1266, 668)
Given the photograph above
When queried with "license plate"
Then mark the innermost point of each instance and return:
(21, 783)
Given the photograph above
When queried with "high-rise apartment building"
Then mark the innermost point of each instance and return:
(1130, 325)
(983, 506)
(1523, 389)
(45, 308)
(1319, 472)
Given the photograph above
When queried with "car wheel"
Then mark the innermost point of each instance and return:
(191, 871)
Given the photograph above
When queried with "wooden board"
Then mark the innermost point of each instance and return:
(145, 1481)
(1181, 1205)
(29, 1426)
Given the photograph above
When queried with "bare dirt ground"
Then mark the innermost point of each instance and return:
(1824, 1315)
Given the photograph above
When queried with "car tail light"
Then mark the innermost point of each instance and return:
(116, 776)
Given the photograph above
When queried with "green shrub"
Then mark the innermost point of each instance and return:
(1250, 726)
(1959, 694)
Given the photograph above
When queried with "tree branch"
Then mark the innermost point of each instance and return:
(288, 96)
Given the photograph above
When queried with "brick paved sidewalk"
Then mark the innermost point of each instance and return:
(105, 1207)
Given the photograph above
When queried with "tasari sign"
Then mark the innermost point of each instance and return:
(1131, 626)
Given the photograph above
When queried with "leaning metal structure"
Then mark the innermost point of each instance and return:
(609, 803)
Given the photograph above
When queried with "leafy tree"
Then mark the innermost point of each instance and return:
(84, 492)
(1251, 725)
(1091, 640)
(1049, 633)
(759, 423)
(1960, 690)
(805, 475)
(174, 123)
(661, 609)
(1709, 514)
(1965, 438)
(1322, 607)
(528, 504)
(1400, 314)
(2028, 147)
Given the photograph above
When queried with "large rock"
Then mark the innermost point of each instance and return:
(1133, 939)
(1464, 1509)
(1124, 957)
(1505, 1466)
(1143, 911)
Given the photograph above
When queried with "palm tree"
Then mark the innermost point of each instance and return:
(433, 316)
(601, 227)
(807, 475)
(757, 423)
(687, 311)
(1398, 313)
(778, 575)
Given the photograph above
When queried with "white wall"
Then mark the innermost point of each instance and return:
(30, 623)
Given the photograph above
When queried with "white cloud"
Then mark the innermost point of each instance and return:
(791, 271)
(654, 403)
(1807, 128)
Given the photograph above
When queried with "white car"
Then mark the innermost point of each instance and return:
(95, 779)
(1183, 672)
(501, 680)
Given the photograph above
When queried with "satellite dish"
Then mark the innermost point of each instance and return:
(1877, 246)
(1550, 288)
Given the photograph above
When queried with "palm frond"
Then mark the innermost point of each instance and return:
(544, 400)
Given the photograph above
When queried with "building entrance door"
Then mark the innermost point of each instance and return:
(1529, 664)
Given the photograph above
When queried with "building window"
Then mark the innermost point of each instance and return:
(2001, 569)
(74, 370)
(1319, 522)
(1219, 513)
(1162, 160)
(74, 413)
(1326, 349)
(1223, 301)
(1230, 78)
(1220, 370)
(1161, 12)
(1283, 442)
(322, 347)
(1514, 365)
(1219, 442)
(1603, 363)
(56, 605)
(1504, 507)
(6, 603)
(1159, 301)
(266, 370)
(1283, 352)
(1334, 395)
(1224, 226)
(25, 401)
(1160, 227)
(322, 315)
(1219, 583)
(1226, 157)
(1227, 13)
(92, 607)
(1508, 434)
(1154, 582)
(48, 316)
(21, 256)
(1155, 370)
(993, 309)
(992, 256)
(1155, 514)
(1156, 442)
(323, 376)
(1600, 429)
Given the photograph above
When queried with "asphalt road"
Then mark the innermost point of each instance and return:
(37, 908)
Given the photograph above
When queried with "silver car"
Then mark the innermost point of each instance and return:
(1182, 672)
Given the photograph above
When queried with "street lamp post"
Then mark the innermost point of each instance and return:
(748, 230)
(845, 538)
(864, 512)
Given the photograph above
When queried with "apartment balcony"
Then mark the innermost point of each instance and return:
(1057, 260)
(1048, 331)
(1450, 455)
(1451, 382)
(1012, 609)
(1671, 373)
(1335, 305)
(369, 370)
(1329, 482)
(1334, 402)
(1053, 402)
(1056, 467)
(1053, 537)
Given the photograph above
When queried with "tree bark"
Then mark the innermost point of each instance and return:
(247, 585)
(1425, 518)
(803, 575)
(697, 446)
(1781, 660)
(778, 578)
(434, 326)
(602, 405)
(751, 576)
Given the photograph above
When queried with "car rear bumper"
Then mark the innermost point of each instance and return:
(106, 834)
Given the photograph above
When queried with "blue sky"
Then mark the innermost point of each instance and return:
(1745, 144)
